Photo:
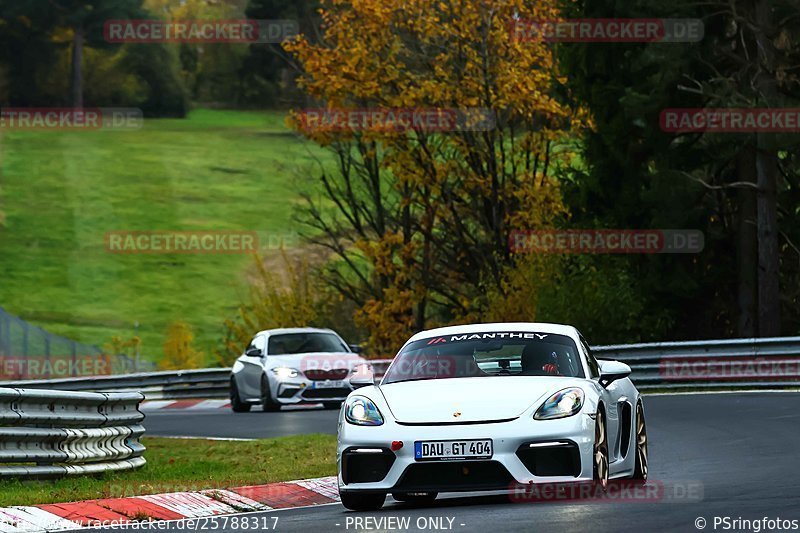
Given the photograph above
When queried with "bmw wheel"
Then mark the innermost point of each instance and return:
(237, 405)
(267, 403)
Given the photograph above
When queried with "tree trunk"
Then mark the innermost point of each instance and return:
(767, 171)
(768, 257)
(77, 67)
(747, 248)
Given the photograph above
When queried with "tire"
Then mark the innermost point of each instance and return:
(362, 502)
(640, 471)
(415, 497)
(332, 405)
(237, 405)
(267, 403)
(600, 452)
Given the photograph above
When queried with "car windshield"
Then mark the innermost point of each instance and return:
(486, 354)
(291, 343)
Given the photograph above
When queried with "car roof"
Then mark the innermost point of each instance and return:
(532, 327)
(280, 331)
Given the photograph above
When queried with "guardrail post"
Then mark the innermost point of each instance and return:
(3, 335)
(74, 350)
(25, 333)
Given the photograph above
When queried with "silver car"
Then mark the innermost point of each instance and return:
(293, 366)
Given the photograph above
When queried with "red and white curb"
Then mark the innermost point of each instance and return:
(172, 506)
(202, 405)
(157, 405)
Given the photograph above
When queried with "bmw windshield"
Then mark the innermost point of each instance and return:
(292, 343)
(485, 355)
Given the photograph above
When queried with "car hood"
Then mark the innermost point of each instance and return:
(475, 399)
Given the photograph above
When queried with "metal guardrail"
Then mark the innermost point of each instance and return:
(167, 385)
(739, 363)
(755, 363)
(49, 433)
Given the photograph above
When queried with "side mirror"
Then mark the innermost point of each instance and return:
(362, 376)
(611, 371)
(254, 352)
(355, 348)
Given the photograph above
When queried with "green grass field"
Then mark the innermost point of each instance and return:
(62, 191)
(194, 465)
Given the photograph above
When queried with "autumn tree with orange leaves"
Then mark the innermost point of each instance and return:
(419, 220)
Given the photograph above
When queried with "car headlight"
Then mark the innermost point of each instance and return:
(284, 372)
(562, 404)
(362, 412)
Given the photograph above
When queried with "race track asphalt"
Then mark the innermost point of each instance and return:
(735, 455)
(223, 423)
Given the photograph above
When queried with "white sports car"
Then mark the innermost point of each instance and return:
(293, 366)
(489, 407)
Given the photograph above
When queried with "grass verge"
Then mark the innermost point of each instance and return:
(62, 191)
(186, 465)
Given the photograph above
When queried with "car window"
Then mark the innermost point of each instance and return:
(485, 355)
(594, 366)
(259, 342)
(251, 345)
(291, 343)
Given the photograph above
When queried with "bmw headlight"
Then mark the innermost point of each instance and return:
(362, 412)
(562, 404)
(284, 372)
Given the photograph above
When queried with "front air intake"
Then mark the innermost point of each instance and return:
(551, 459)
(366, 465)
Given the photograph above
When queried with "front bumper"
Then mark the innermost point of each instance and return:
(561, 453)
(291, 391)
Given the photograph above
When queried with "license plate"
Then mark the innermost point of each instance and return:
(327, 384)
(449, 450)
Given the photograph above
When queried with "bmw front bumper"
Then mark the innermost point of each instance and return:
(291, 391)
